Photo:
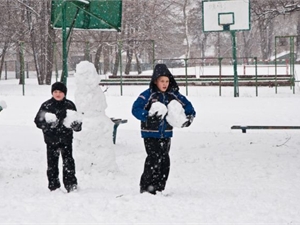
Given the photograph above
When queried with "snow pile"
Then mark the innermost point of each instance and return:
(159, 108)
(50, 117)
(94, 142)
(176, 116)
(3, 104)
(71, 117)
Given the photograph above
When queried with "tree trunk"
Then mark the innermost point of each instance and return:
(128, 63)
(298, 38)
(138, 64)
(5, 47)
(50, 48)
(97, 58)
(186, 31)
(21, 64)
(105, 59)
(265, 31)
(43, 40)
(116, 64)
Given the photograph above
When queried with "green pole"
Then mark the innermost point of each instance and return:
(120, 61)
(275, 65)
(55, 61)
(236, 90)
(220, 76)
(186, 79)
(64, 43)
(256, 87)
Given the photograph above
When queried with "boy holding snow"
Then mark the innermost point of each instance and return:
(152, 107)
(53, 118)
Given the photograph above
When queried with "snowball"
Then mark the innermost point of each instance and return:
(3, 104)
(176, 116)
(50, 117)
(71, 117)
(158, 107)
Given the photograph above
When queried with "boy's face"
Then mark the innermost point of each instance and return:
(162, 83)
(58, 95)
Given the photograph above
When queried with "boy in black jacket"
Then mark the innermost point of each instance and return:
(58, 138)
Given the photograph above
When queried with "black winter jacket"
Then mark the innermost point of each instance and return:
(60, 133)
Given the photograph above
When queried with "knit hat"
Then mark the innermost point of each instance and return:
(59, 86)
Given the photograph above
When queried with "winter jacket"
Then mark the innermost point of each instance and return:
(154, 126)
(58, 133)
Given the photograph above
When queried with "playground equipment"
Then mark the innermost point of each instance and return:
(232, 15)
(84, 14)
(291, 57)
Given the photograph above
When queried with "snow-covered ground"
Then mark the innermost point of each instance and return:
(218, 175)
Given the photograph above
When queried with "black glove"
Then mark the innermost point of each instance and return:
(189, 121)
(154, 118)
(54, 124)
(76, 126)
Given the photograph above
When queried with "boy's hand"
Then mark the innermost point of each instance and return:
(154, 117)
(189, 121)
(158, 108)
(51, 119)
(54, 124)
(76, 126)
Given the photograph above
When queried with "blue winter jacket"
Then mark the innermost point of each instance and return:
(159, 128)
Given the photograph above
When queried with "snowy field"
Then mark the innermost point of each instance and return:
(217, 176)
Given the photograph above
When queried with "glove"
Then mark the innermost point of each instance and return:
(76, 126)
(189, 121)
(54, 124)
(154, 118)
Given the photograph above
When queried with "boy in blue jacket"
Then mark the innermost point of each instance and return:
(155, 129)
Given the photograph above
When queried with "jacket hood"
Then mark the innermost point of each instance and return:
(162, 70)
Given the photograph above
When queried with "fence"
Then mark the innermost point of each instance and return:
(213, 72)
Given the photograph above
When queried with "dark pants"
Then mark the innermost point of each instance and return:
(53, 152)
(157, 164)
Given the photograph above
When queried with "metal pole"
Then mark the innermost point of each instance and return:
(256, 87)
(236, 89)
(220, 76)
(120, 61)
(55, 61)
(64, 43)
(186, 79)
(275, 65)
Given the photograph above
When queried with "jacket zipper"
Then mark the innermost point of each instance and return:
(163, 121)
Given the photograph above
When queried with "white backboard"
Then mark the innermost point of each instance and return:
(234, 12)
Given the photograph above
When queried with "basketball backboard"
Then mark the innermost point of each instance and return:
(222, 15)
(88, 14)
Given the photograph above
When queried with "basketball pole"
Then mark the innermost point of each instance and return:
(236, 88)
(64, 44)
